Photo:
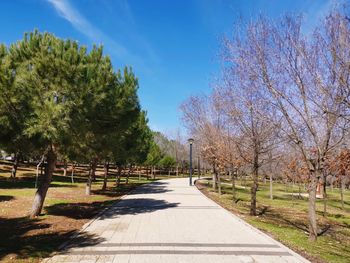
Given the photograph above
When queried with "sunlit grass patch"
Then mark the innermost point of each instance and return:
(285, 218)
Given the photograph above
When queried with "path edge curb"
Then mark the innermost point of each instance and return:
(86, 225)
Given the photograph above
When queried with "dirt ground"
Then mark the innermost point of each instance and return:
(66, 210)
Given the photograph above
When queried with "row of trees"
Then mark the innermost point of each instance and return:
(168, 153)
(335, 173)
(282, 93)
(60, 100)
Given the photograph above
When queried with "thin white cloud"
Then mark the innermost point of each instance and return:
(127, 25)
(79, 22)
(124, 6)
(66, 11)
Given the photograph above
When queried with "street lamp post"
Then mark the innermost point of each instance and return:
(190, 141)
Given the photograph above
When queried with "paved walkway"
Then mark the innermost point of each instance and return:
(168, 221)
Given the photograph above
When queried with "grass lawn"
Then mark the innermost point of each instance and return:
(285, 218)
(66, 210)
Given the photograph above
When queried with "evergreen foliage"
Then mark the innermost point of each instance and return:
(60, 100)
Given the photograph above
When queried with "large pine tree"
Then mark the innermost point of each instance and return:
(58, 98)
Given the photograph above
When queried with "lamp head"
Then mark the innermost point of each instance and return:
(190, 140)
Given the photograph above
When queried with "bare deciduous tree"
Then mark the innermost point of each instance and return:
(280, 85)
(303, 80)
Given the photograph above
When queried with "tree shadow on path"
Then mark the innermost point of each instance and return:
(134, 206)
(152, 188)
(4, 198)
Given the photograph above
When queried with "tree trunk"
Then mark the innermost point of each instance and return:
(128, 175)
(37, 171)
(292, 186)
(233, 185)
(214, 179)
(153, 173)
(324, 197)
(332, 182)
(72, 174)
(312, 206)
(93, 169)
(182, 168)
(199, 168)
(15, 166)
(105, 176)
(44, 182)
(319, 188)
(91, 177)
(286, 186)
(65, 168)
(88, 185)
(177, 170)
(218, 176)
(271, 186)
(342, 188)
(254, 188)
(119, 174)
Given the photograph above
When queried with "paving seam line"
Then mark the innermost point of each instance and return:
(86, 225)
(302, 259)
(196, 189)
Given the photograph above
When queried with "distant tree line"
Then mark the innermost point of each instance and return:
(169, 154)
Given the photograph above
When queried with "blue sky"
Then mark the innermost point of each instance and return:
(172, 45)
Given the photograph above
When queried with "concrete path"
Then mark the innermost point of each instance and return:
(168, 221)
